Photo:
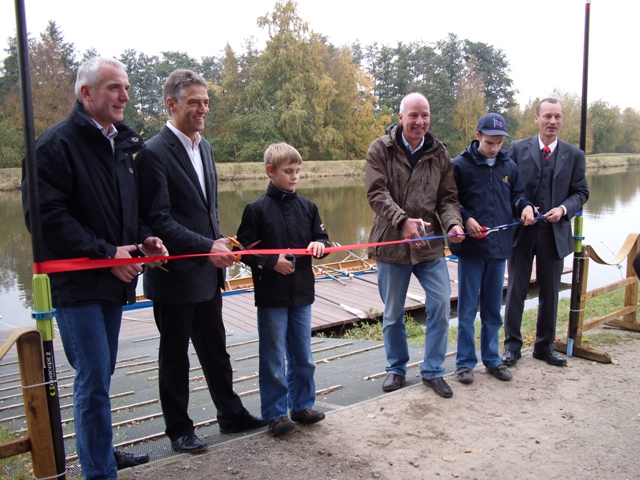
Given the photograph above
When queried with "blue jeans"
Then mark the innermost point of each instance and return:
(89, 335)
(393, 282)
(285, 331)
(479, 280)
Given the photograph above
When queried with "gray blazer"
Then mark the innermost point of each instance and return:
(569, 185)
(173, 205)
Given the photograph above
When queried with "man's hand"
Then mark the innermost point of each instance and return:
(126, 273)
(316, 249)
(222, 261)
(554, 215)
(474, 228)
(457, 234)
(153, 247)
(528, 216)
(415, 228)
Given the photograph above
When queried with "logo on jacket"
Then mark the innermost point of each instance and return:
(505, 179)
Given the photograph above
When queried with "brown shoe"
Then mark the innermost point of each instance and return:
(307, 416)
(281, 425)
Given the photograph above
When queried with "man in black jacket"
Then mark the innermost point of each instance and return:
(89, 208)
(179, 201)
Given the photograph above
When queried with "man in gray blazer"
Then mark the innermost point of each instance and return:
(553, 173)
(179, 197)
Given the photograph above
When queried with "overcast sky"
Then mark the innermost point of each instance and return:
(543, 40)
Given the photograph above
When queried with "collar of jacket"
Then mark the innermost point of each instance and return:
(126, 138)
(472, 153)
(391, 139)
(278, 194)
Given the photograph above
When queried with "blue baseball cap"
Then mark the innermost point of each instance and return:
(492, 124)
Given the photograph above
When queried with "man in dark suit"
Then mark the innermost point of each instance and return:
(178, 196)
(553, 173)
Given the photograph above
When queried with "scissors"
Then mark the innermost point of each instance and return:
(140, 253)
(239, 246)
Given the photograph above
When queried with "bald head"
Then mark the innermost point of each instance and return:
(415, 118)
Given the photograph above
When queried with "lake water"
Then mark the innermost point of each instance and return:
(609, 216)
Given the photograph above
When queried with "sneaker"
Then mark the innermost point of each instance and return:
(281, 425)
(501, 372)
(465, 375)
(307, 416)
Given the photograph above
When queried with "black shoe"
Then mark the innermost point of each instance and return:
(392, 382)
(307, 416)
(510, 357)
(501, 372)
(281, 425)
(439, 386)
(465, 375)
(551, 357)
(126, 460)
(246, 422)
(188, 444)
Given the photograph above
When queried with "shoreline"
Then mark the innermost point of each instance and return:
(250, 171)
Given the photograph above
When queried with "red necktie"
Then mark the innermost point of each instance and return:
(546, 152)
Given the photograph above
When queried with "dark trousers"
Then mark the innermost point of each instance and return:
(202, 323)
(535, 241)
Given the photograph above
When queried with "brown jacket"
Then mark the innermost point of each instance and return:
(396, 191)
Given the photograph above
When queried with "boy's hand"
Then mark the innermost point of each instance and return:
(316, 249)
(528, 216)
(284, 266)
(475, 229)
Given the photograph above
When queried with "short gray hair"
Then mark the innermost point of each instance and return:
(178, 81)
(89, 72)
(547, 100)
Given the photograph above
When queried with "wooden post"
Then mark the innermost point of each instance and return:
(625, 317)
(34, 393)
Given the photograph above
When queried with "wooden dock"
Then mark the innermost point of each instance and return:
(357, 294)
(335, 303)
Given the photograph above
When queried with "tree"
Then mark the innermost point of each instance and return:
(289, 81)
(493, 66)
(630, 137)
(53, 69)
(605, 125)
(469, 105)
(351, 112)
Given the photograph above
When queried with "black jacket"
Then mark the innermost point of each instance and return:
(176, 209)
(490, 195)
(281, 220)
(88, 205)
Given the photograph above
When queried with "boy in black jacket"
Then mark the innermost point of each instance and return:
(490, 194)
(284, 290)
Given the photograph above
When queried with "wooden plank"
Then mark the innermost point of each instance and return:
(609, 288)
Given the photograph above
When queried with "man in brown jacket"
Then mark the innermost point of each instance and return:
(411, 189)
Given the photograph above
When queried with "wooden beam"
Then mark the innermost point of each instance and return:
(596, 322)
(588, 353)
(15, 447)
(610, 288)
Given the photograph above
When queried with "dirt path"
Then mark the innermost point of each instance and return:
(582, 421)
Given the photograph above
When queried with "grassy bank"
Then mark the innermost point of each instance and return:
(597, 307)
(236, 172)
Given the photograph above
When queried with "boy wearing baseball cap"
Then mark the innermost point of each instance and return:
(490, 195)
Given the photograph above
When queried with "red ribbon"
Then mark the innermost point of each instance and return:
(76, 264)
